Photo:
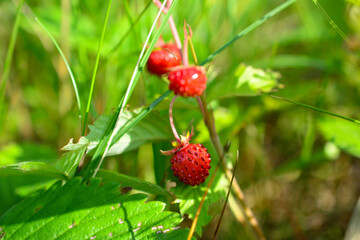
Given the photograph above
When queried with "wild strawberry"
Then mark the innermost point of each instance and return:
(189, 81)
(190, 162)
(163, 59)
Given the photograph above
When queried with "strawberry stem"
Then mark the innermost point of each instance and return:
(171, 23)
(210, 124)
(185, 48)
(189, 35)
(176, 135)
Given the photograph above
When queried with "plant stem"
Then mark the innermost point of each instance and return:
(196, 218)
(9, 55)
(171, 23)
(96, 66)
(185, 54)
(210, 124)
(227, 196)
(171, 119)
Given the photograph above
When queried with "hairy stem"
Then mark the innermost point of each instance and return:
(176, 135)
(210, 124)
(171, 23)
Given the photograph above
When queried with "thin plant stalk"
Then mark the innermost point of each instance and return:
(9, 55)
(196, 218)
(334, 25)
(141, 61)
(185, 53)
(227, 197)
(96, 66)
(77, 95)
(189, 41)
(122, 40)
(210, 124)
(317, 109)
(250, 28)
(171, 22)
(171, 119)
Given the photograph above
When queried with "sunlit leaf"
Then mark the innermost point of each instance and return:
(136, 183)
(345, 135)
(80, 211)
(248, 81)
(32, 168)
(151, 128)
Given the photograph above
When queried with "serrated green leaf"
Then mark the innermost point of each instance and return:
(80, 211)
(149, 129)
(345, 135)
(136, 183)
(32, 168)
(248, 81)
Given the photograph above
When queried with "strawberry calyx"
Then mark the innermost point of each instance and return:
(178, 145)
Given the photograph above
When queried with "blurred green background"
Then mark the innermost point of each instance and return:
(299, 168)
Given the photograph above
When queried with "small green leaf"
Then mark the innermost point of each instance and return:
(32, 168)
(80, 211)
(136, 183)
(345, 135)
(70, 160)
(248, 81)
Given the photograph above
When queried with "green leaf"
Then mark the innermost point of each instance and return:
(148, 130)
(80, 211)
(189, 199)
(356, 2)
(345, 135)
(14, 153)
(32, 168)
(136, 183)
(69, 162)
(160, 162)
(248, 81)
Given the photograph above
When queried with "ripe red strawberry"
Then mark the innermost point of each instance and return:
(189, 81)
(164, 58)
(191, 164)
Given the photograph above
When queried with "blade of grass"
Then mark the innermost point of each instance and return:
(227, 196)
(316, 109)
(334, 25)
(66, 64)
(96, 65)
(144, 55)
(139, 117)
(9, 55)
(136, 74)
(122, 40)
(250, 28)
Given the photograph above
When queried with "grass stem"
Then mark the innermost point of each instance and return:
(9, 55)
(96, 66)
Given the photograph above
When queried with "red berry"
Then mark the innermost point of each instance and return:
(163, 59)
(188, 81)
(191, 164)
